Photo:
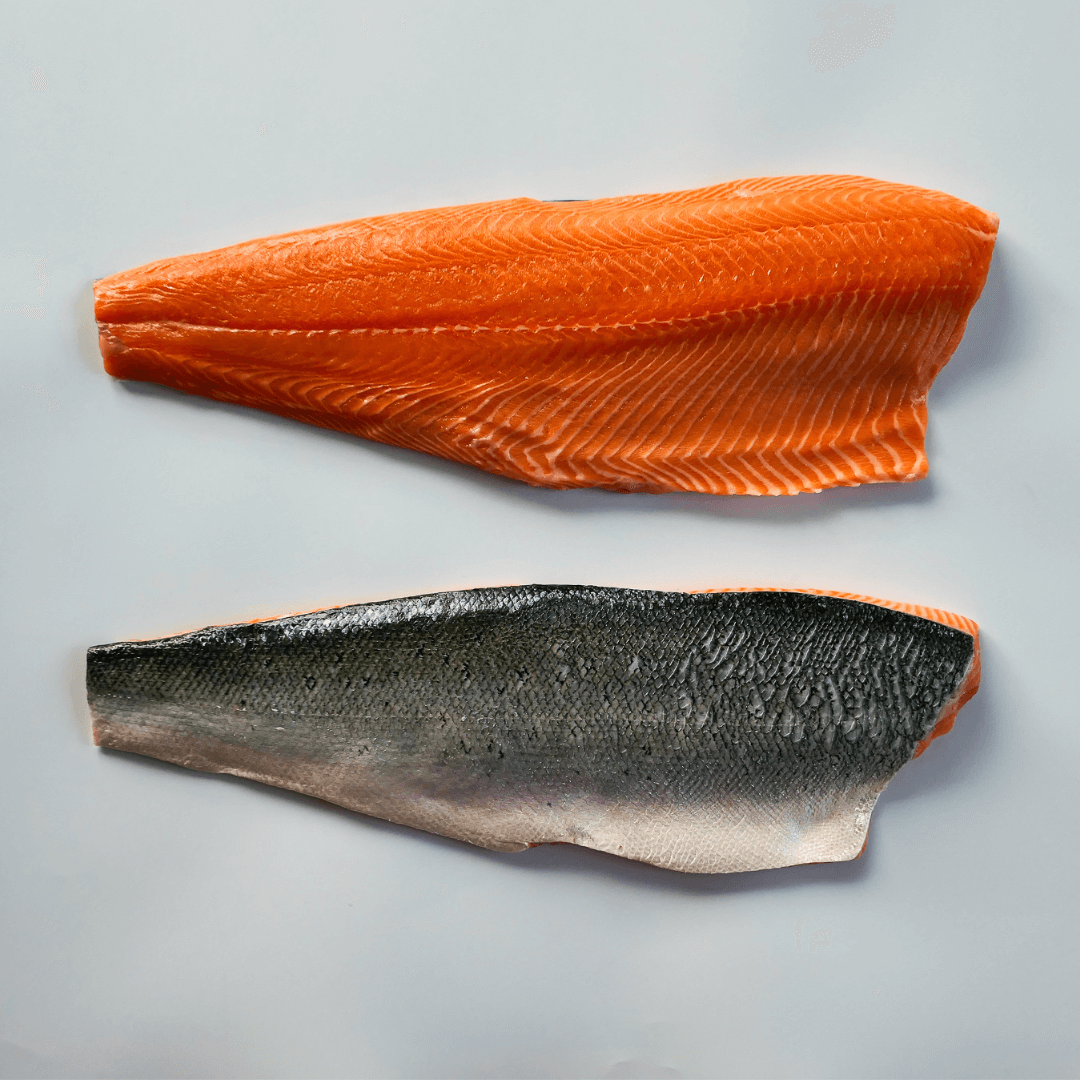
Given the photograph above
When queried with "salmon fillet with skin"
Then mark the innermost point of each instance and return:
(707, 732)
(762, 337)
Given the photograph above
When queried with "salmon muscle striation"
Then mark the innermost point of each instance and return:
(762, 337)
(702, 732)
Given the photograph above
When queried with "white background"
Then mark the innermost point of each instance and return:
(156, 922)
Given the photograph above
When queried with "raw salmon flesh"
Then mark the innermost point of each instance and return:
(702, 732)
(761, 337)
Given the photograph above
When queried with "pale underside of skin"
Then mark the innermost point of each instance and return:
(767, 337)
(699, 732)
(715, 837)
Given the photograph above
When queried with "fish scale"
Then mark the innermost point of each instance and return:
(468, 713)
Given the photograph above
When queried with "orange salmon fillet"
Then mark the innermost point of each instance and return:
(762, 337)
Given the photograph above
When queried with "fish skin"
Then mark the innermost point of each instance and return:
(768, 336)
(705, 732)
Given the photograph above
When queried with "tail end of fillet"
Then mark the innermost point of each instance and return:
(139, 364)
(115, 707)
(120, 361)
(107, 731)
(100, 715)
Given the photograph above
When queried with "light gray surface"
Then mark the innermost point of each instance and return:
(156, 922)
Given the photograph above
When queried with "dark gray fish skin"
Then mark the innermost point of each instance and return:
(707, 731)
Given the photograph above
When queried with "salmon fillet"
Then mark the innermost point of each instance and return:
(706, 732)
(762, 337)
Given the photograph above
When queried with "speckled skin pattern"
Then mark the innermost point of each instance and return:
(705, 732)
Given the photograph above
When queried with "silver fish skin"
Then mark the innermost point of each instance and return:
(704, 732)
